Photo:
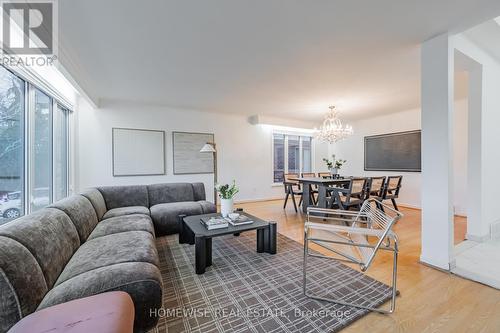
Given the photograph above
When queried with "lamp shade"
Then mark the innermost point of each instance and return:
(208, 148)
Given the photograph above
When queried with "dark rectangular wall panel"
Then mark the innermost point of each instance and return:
(394, 152)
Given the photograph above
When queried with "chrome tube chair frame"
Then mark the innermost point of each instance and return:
(352, 226)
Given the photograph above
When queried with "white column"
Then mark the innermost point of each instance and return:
(437, 143)
(475, 228)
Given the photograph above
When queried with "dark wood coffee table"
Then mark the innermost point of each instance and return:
(193, 232)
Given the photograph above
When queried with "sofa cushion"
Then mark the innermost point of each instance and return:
(81, 212)
(124, 196)
(165, 215)
(132, 246)
(49, 235)
(126, 211)
(171, 192)
(95, 197)
(141, 280)
(22, 283)
(207, 207)
(199, 192)
(114, 225)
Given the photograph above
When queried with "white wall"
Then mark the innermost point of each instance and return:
(352, 149)
(244, 150)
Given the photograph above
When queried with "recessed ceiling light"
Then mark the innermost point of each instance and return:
(498, 20)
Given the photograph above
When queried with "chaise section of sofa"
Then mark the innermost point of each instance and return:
(168, 201)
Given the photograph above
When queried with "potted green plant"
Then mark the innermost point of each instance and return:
(226, 195)
(334, 165)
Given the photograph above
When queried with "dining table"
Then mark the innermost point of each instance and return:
(322, 184)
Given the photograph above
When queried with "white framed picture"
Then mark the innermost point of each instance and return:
(138, 152)
(186, 153)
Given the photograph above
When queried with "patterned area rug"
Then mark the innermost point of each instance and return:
(246, 291)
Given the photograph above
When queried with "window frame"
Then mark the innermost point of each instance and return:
(31, 84)
(31, 139)
(285, 153)
(57, 107)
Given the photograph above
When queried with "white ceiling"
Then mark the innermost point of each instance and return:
(487, 36)
(281, 58)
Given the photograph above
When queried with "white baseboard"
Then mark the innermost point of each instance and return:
(442, 265)
(405, 205)
(257, 200)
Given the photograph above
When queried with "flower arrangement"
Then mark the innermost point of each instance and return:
(334, 164)
(227, 191)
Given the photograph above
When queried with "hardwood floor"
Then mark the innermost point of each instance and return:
(430, 300)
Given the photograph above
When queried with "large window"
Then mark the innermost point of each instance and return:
(12, 125)
(33, 148)
(291, 154)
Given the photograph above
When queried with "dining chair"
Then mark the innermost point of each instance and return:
(324, 175)
(292, 188)
(353, 195)
(312, 190)
(308, 175)
(391, 190)
(375, 187)
(353, 237)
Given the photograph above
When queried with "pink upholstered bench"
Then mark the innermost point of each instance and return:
(111, 312)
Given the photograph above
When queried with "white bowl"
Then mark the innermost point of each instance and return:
(233, 216)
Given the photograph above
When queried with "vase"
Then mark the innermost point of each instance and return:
(334, 172)
(226, 207)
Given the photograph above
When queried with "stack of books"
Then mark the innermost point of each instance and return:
(212, 223)
(240, 220)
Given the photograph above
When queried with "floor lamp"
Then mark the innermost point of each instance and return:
(210, 148)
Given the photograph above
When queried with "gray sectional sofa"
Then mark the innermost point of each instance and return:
(102, 240)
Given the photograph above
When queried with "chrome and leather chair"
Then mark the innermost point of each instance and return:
(353, 237)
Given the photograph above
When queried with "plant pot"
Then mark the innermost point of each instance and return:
(226, 207)
(334, 171)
